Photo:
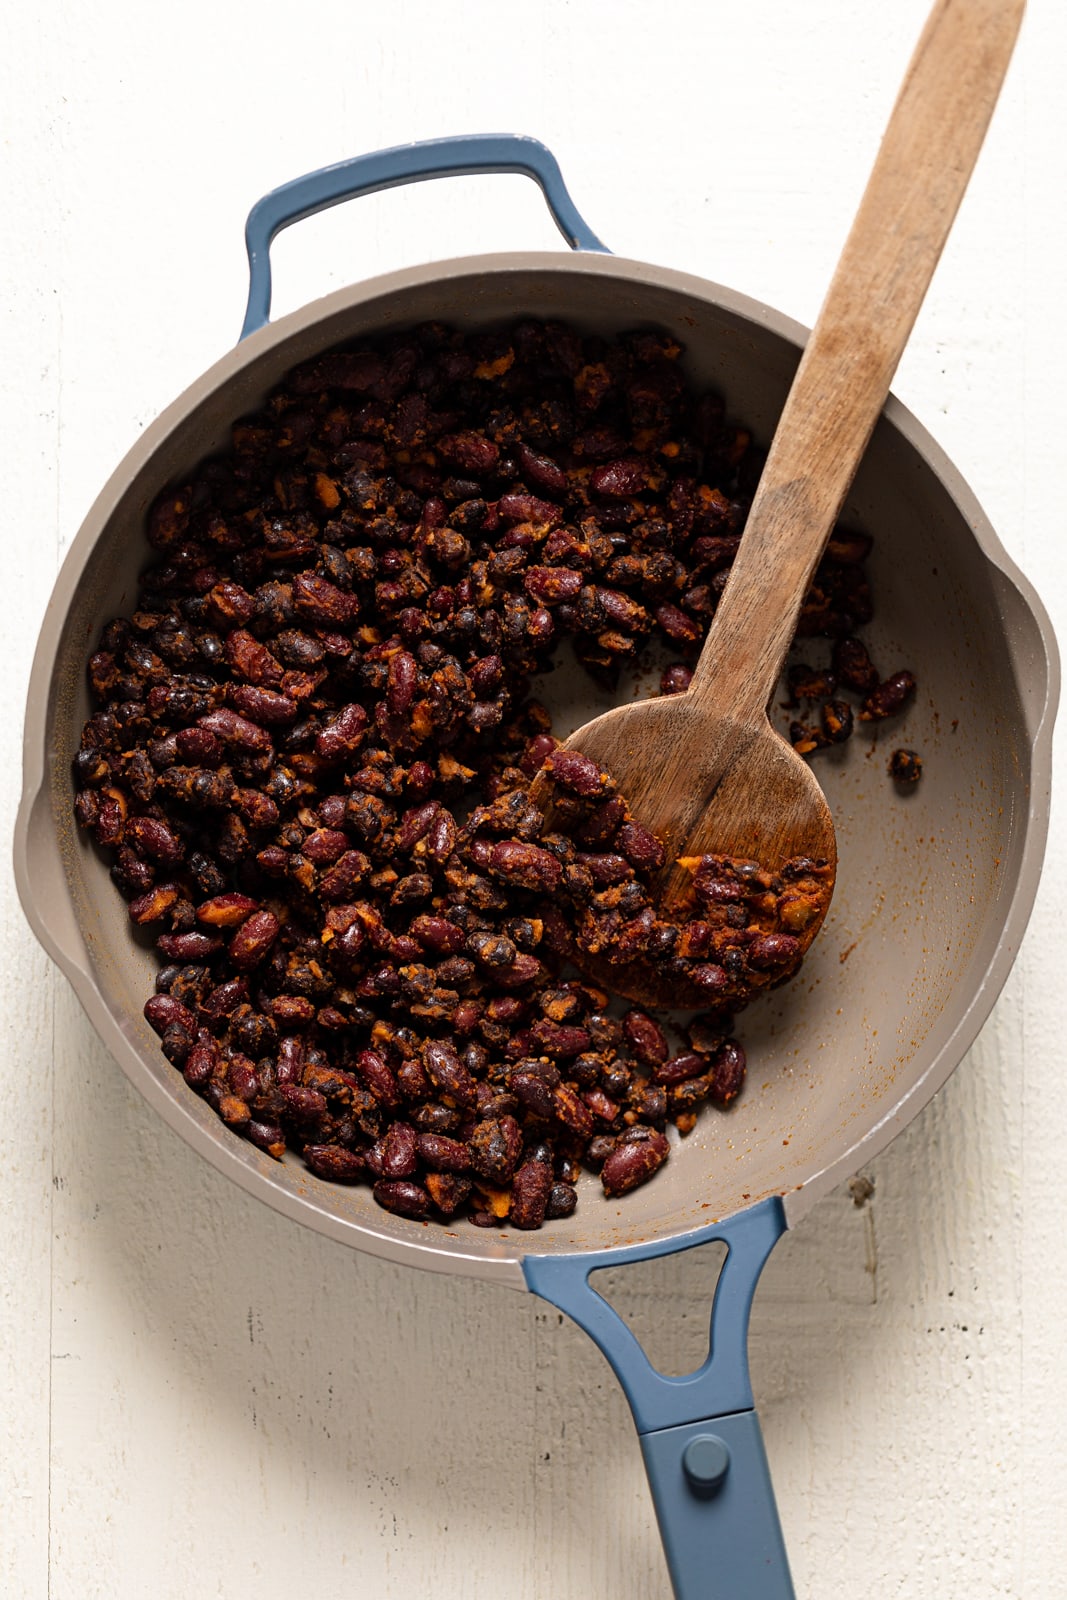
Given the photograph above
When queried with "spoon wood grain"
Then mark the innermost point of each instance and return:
(705, 770)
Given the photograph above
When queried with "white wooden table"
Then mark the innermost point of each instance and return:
(202, 1399)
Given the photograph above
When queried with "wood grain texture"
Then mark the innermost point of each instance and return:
(200, 1398)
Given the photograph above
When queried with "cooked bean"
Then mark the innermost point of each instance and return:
(333, 1161)
(631, 1164)
(530, 1191)
(404, 1198)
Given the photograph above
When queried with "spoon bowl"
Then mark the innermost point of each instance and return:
(736, 789)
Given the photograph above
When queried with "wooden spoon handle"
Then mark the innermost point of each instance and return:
(922, 168)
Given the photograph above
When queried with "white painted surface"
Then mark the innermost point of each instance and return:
(199, 1398)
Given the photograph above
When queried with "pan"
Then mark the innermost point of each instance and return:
(932, 897)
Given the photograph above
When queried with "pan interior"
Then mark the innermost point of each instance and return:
(886, 1001)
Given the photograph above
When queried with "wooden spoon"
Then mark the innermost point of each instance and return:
(704, 770)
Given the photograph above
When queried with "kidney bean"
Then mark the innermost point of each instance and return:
(495, 1148)
(402, 682)
(252, 942)
(645, 1038)
(152, 838)
(251, 660)
(442, 1154)
(242, 1079)
(236, 731)
(401, 1196)
(528, 508)
(471, 452)
(441, 837)
(416, 824)
(162, 1011)
(379, 1077)
(728, 1072)
(533, 1093)
(343, 734)
(710, 979)
(641, 848)
(333, 1161)
(600, 1105)
(263, 706)
(836, 721)
(188, 946)
(853, 666)
(889, 698)
(678, 627)
(321, 602)
(541, 471)
(324, 846)
(268, 1136)
(680, 1068)
(772, 950)
(200, 1063)
(525, 865)
(647, 1101)
(342, 879)
(305, 1106)
(154, 904)
(399, 1157)
(576, 774)
(438, 934)
(493, 950)
(551, 586)
(448, 1073)
(227, 910)
(228, 605)
(689, 1094)
(572, 1111)
(631, 1164)
(619, 480)
(197, 746)
(530, 1190)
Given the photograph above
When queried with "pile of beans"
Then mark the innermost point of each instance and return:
(313, 741)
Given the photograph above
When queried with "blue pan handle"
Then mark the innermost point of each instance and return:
(700, 1435)
(387, 169)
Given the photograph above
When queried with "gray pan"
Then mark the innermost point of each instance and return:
(933, 891)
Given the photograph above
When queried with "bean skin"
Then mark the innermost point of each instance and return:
(442, 1154)
(889, 698)
(252, 942)
(335, 1162)
(630, 1165)
(530, 1191)
(525, 866)
(728, 1072)
(403, 1198)
(162, 1011)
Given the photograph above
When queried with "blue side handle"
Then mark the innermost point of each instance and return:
(387, 169)
(700, 1435)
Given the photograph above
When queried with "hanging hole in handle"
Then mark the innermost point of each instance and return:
(453, 216)
(666, 1304)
